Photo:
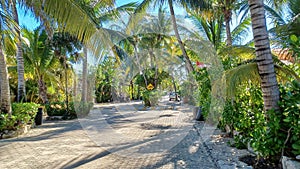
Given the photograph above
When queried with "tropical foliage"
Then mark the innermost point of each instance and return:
(141, 55)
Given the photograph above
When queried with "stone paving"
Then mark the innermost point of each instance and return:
(118, 137)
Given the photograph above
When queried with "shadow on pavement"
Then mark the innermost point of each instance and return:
(58, 128)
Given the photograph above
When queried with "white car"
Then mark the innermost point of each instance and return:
(174, 96)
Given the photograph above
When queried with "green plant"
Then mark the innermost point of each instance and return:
(73, 110)
(295, 44)
(82, 108)
(270, 134)
(290, 123)
(57, 108)
(23, 113)
(203, 93)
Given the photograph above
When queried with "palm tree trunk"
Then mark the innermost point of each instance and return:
(84, 76)
(42, 89)
(175, 88)
(131, 91)
(139, 64)
(227, 14)
(264, 59)
(66, 84)
(188, 62)
(74, 84)
(4, 85)
(20, 61)
(155, 65)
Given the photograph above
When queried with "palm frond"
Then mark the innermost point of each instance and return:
(275, 15)
(117, 12)
(196, 4)
(244, 10)
(249, 72)
(138, 15)
(236, 76)
(240, 32)
(241, 51)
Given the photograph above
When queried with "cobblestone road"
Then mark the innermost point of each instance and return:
(120, 137)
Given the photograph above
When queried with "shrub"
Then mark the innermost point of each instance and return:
(290, 117)
(22, 113)
(58, 108)
(269, 133)
(82, 108)
(203, 93)
(74, 109)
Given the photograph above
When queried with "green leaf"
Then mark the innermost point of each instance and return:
(294, 38)
(296, 146)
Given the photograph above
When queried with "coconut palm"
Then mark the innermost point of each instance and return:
(7, 25)
(98, 14)
(64, 44)
(4, 90)
(264, 59)
(40, 59)
(21, 96)
(141, 10)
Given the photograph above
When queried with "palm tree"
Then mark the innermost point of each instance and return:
(264, 59)
(84, 75)
(4, 86)
(21, 96)
(98, 13)
(64, 44)
(6, 35)
(189, 65)
(141, 9)
(40, 59)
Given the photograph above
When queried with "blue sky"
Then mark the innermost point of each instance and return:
(27, 19)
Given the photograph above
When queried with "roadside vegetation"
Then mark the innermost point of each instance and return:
(141, 57)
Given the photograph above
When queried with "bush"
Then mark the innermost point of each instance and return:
(203, 93)
(59, 108)
(22, 114)
(290, 116)
(82, 108)
(243, 114)
(74, 109)
(268, 133)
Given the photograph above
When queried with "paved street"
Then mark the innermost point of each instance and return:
(122, 135)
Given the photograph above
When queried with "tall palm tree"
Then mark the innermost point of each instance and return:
(21, 96)
(84, 75)
(7, 33)
(264, 59)
(98, 13)
(4, 85)
(188, 62)
(64, 44)
(141, 10)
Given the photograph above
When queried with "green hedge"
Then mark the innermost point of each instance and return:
(269, 133)
(74, 110)
(22, 114)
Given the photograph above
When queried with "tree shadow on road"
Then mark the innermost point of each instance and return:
(57, 128)
(187, 153)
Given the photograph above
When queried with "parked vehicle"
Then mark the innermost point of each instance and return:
(174, 96)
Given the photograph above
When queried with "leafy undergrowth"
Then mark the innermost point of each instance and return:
(259, 163)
